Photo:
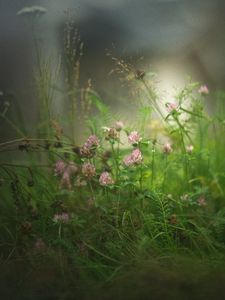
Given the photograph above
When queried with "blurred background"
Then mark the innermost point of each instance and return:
(174, 38)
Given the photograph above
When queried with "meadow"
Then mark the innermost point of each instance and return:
(131, 210)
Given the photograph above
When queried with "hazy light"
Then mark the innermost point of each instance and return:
(170, 79)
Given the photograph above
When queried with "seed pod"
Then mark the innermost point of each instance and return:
(24, 146)
(139, 74)
(26, 227)
(173, 219)
(58, 144)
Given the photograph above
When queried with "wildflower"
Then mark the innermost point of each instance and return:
(119, 125)
(39, 245)
(172, 107)
(167, 148)
(190, 149)
(86, 151)
(184, 197)
(63, 218)
(92, 141)
(203, 90)
(134, 137)
(201, 201)
(59, 167)
(26, 227)
(139, 74)
(173, 219)
(66, 181)
(134, 158)
(105, 179)
(66, 171)
(112, 134)
(128, 161)
(88, 170)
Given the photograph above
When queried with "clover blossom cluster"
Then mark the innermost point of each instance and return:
(172, 107)
(167, 148)
(39, 245)
(61, 218)
(92, 141)
(134, 138)
(119, 125)
(65, 171)
(89, 147)
(105, 179)
(203, 90)
(190, 149)
(134, 158)
(88, 170)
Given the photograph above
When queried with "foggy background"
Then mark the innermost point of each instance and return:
(176, 38)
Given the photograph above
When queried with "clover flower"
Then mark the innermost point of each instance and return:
(39, 245)
(203, 90)
(89, 147)
(105, 179)
(167, 148)
(184, 197)
(128, 161)
(173, 219)
(134, 158)
(66, 181)
(92, 141)
(88, 170)
(66, 171)
(119, 125)
(189, 149)
(172, 107)
(59, 167)
(201, 201)
(61, 218)
(110, 133)
(134, 137)
(86, 151)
